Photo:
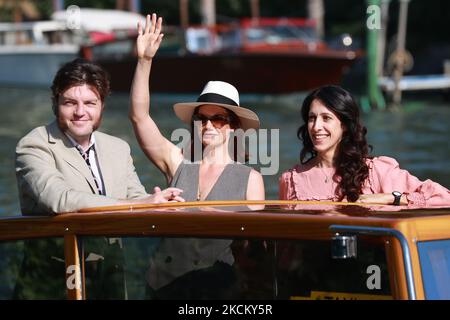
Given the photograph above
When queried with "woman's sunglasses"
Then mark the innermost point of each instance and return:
(217, 120)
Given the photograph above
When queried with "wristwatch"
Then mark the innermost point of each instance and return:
(397, 195)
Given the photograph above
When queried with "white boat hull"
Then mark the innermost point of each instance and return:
(33, 66)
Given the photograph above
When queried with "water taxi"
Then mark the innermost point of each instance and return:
(238, 52)
(292, 250)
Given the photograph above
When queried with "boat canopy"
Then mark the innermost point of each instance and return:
(101, 20)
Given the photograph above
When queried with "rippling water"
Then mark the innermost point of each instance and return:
(417, 136)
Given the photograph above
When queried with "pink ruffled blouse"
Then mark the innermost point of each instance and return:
(304, 182)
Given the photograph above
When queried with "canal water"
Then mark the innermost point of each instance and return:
(417, 136)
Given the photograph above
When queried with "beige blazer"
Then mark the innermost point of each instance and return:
(52, 176)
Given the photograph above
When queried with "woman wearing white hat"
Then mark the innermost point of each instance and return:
(194, 268)
(217, 175)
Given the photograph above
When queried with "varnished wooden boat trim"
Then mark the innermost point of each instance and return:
(72, 259)
(167, 219)
(172, 223)
(217, 204)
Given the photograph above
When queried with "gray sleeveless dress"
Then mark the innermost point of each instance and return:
(176, 257)
(231, 185)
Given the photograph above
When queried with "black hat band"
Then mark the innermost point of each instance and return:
(216, 98)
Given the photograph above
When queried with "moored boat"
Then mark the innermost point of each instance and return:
(267, 55)
(32, 52)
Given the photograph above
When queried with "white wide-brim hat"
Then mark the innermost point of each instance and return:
(220, 94)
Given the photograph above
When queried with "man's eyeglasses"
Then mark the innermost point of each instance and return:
(217, 120)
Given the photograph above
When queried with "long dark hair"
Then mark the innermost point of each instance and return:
(353, 150)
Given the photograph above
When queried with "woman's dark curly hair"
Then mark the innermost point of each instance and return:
(353, 150)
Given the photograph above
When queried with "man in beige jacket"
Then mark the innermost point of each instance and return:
(68, 165)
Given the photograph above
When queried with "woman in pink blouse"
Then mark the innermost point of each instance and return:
(335, 163)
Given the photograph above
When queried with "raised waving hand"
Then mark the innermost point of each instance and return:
(162, 152)
(149, 38)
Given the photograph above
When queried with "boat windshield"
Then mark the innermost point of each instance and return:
(435, 263)
(277, 34)
(322, 208)
(37, 33)
(194, 268)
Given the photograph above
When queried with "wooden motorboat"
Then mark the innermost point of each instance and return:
(288, 250)
(272, 56)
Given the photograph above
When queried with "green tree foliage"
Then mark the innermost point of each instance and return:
(169, 9)
(101, 4)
